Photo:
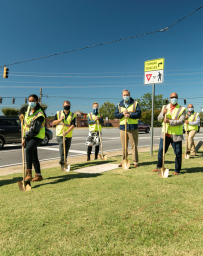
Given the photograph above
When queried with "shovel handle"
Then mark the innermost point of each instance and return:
(186, 146)
(164, 142)
(64, 147)
(125, 139)
(23, 153)
(100, 136)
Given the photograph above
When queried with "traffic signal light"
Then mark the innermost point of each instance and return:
(166, 101)
(184, 101)
(26, 100)
(5, 75)
(0, 100)
(13, 101)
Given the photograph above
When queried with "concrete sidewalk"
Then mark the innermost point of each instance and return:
(71, 160)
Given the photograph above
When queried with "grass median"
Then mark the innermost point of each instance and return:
(120, 212)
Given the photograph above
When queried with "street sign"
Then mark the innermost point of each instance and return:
(154, 77)
(151, 65)
(153, 74)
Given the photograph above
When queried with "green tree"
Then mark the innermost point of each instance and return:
(145, 102)
(146, 117)
(107, 109)
(10, 111)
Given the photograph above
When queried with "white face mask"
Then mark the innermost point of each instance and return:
(32, 104)
(174, 101)
(190, 109)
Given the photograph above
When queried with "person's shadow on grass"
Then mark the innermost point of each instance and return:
(191, 170)
(4, 182)
(59, 179)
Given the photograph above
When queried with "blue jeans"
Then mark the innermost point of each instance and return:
(177, 147)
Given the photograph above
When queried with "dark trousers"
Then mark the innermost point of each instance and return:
(177, 147)
(31, 154)
(67, 145)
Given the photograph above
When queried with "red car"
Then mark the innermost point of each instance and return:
(143, 127)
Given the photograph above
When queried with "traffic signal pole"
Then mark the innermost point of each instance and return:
(40, 96)
(152, 119)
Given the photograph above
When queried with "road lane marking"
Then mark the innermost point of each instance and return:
(70, 151)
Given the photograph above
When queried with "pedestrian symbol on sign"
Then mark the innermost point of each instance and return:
(159, 76)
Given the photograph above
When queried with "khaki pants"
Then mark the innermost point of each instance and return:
(191, 143)
(132, 136)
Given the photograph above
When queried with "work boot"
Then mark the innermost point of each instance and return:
(96, 152)
(28, 175)
(120, 165)
(155, 170)
(89, 150)
(38, 177)
(61, 162)
(175, 173)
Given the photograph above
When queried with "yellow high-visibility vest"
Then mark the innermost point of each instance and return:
(67, 124)
(30, 119)
(130, 109)
(177, 112)
(94, 127)
(192, 118)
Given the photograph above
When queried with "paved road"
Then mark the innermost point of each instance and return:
(11, 154)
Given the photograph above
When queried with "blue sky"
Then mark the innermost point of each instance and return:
(32, 29)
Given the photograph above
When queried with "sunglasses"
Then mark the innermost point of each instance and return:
(173, 97)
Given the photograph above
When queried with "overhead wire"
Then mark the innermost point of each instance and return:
(185, 41)
(114, 41)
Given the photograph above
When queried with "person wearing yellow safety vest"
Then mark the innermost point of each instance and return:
(93, 135)
(34, 133)
(129, 109)
(174, 116)
(67, 118)
(192, 121)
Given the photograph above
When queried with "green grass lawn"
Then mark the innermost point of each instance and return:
(120, 212)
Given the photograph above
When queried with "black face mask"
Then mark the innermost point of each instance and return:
(66, 107)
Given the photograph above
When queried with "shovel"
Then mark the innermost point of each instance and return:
(102, 156)
(163, 172)
(23, 185)
(65, 167)
(186, 156)
(126, 162)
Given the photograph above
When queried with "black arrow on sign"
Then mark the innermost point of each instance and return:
(159, 64)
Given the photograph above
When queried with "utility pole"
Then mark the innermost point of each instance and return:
(40, 96)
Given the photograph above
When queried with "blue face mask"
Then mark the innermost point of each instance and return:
(32, 104)
(174, 101)
(126, 98)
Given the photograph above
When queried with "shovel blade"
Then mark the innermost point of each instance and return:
(126, 164)
(67, 168)
(163, 172)
(187, 156)
(24, 187)
(103, 157)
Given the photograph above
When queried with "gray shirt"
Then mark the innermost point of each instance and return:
(197, 122)
(178, 122)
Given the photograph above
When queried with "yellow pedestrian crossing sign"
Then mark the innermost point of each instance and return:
(151, 65)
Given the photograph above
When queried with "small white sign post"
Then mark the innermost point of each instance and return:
(153, 74)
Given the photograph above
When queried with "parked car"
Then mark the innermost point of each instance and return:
(143, 127)
(10, 131)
